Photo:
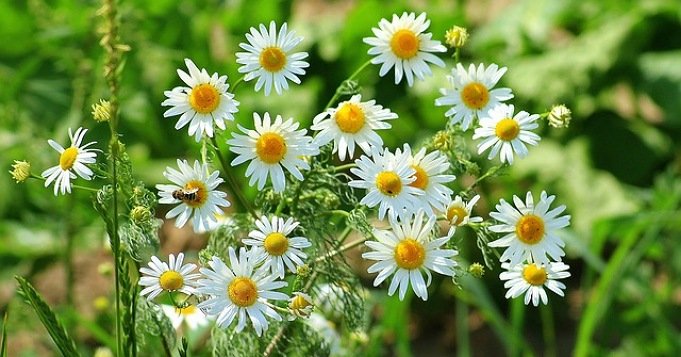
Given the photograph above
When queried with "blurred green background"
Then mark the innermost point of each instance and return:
(616, 64)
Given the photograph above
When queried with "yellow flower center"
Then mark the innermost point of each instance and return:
(421, 178)
(534, 275)
(530, 229)
(242, 291)
(475, 95)
(272, 59)
(187, 310)
(409, 254)
(68, 158)
(350, 118)
(198, 198)
(389, 183)
(507, 129)
(276, 243)
(299, 302)
(270, 147)
(171, 280)
(405, 44)
(204, 98)
(456, 211)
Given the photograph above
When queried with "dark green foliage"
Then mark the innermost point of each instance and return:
(61, 338)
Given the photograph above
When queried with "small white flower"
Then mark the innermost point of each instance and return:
(72, 158)
(194, 190)
(530, 231)
(190, 314)
(270, 59)
(402, 43)
(530, 279)
(430, 177)
(270, 147)
(459, 212)
(273, 245)
(472, 94)
(240, 292)
(171, 276)
(204, 103)
(352, 123)
(506, 133)
(406, 252)
(387, 178)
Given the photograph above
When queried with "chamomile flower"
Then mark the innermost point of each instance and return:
(194, 190)
(270, 147)
(530, 231)
(430, 177)
(190, 315)
(273, 245)
(203, 104)
(171, 276)
(72, 159)
(352, 123)
(240, 292)
(402, 43)
(270, 58)
(459, 212)
(407, 251)
(530, 279)
(506, 133)
(473, 93)
(387, 178)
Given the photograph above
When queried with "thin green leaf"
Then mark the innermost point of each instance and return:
(3, 344)
(66, 345)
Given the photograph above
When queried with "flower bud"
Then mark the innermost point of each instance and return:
(476, 270)
(456, 37)
(21, 170)
(101, 111)
(301, 304)
(560, 116)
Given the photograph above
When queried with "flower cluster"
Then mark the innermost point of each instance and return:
(412, 187)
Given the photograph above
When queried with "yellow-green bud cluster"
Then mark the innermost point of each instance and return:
(140, 214)
(477, 270)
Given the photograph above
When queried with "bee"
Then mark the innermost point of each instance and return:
(186, 195)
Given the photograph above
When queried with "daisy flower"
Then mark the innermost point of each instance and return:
(459, 212)
(171, 276)
(352, 123)
(273, 245)
(270, 59)
(204, 103)
(190, 314)
(402, 44)
(407, 251)
(506, 133)
(530, 231)
(270, 147)
(194, 190)
(530, 279)
(238, 291)
(472, 93)
(429, 173)
(387, 178)
(72, 158)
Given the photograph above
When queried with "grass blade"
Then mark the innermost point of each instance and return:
(3, 344)
(66, 345)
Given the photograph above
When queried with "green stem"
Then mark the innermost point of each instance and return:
(237, 83)
(462, 333)
(231, 180)
(548, 330)
(342, 248)
(352, 76)
(517, 322)
(68, 256)
(344, 167)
